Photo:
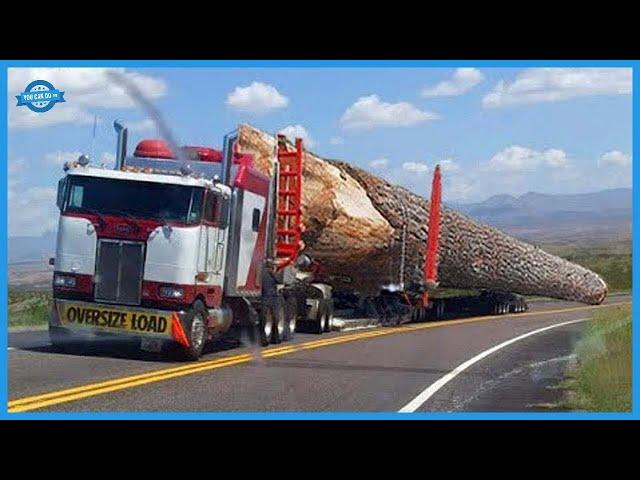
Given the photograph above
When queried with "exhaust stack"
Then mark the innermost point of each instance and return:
(227, 156)
(121, 149)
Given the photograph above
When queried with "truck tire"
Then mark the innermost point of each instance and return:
(290, 318)
(327, 322)
(266, 324)
(317, 323)
(195, 328)
(279, 321)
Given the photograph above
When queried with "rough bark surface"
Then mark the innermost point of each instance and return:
(355, 222)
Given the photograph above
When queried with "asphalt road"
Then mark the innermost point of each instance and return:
(372, 370)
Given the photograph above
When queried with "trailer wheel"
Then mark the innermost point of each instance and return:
(327, 323)
(317, 324)
(266, 324)
(195, 327)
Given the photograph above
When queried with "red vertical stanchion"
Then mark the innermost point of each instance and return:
(433, 236)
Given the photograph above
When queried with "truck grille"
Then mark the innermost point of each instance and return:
(119, 270)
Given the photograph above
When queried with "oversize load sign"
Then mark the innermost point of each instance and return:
(79, 315)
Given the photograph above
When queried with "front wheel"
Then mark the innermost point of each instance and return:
(195, 328)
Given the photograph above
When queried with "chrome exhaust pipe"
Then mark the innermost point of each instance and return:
(227, 156)
(121, 149)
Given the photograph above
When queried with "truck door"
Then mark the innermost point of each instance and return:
(213, 244)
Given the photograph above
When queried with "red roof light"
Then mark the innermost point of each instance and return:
(154, 149)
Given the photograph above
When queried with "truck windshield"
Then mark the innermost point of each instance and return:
(158, 201)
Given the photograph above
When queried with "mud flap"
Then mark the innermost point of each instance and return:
(248, 321)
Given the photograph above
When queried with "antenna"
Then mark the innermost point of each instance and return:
(93, 137)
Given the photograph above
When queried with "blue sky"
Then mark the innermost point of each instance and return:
(494, 130)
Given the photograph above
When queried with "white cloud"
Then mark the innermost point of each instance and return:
(16, 167)
(448, 165)
(336, 141)
(459, 187)
(615, 158)
(522, 159)
(85, 90)
(60, 158)
(142, 126)
(555, 158)
(416, 167)
(298, 131)
(535, 85)
(514, 171)
(371, 112)
(257, 98)
(462, 80)
(32, 211)
(379, 163)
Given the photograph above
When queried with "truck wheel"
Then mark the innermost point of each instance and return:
(317, 324)
(279, 321)
(327, 322)
(266, 324)
(195, 327)
(290, 318)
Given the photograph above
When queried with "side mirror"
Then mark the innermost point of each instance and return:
(62, 190)
(223, 211)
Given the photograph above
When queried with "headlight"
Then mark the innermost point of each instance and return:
(171, 292)
(66, 281)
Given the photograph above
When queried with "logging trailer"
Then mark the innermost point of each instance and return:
(177, 246)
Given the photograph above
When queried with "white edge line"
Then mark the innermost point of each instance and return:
(417, 402)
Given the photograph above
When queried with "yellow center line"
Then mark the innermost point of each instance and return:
(113, 388)
(89, 390)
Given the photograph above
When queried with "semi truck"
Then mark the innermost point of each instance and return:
(177, 246)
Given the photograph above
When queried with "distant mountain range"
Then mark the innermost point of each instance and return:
(533, 216)
(30, 249)
(597, 216)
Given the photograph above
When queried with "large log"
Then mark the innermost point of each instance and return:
(358, 226)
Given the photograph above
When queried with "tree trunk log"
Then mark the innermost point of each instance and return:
(354, 224)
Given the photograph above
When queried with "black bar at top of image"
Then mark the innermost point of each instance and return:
(324, 32)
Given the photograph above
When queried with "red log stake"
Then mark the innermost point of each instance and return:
(433, 236)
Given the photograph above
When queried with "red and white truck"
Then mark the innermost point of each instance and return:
(176, 246)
